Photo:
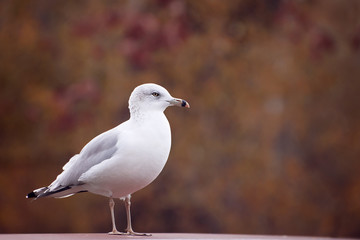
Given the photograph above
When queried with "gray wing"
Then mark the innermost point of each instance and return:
(96, 151)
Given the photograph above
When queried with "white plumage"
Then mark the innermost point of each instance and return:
(124, 159)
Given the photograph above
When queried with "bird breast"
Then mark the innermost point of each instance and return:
(133, 169)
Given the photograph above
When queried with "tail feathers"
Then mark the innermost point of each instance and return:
(46, 192)
(38, 192)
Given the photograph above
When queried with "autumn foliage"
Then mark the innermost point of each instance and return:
(271, 144)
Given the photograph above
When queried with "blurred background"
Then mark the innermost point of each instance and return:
(271, 143)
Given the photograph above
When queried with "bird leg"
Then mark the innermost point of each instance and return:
(114, 230)
(129, 230)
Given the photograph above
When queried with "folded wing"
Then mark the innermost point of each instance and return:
(96, 151)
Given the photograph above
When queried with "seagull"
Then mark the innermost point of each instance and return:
(124, 159)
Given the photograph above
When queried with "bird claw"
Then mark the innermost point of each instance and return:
(129, 233)
(132, 233)
(115, 232)
(138, 234)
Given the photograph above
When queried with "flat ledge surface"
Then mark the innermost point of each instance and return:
(100, 236)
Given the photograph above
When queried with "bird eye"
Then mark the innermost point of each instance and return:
(155, 94)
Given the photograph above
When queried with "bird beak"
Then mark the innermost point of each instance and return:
(179, 102)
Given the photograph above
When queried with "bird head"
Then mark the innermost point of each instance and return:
(153, 97)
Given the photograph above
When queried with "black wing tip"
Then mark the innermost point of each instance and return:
(31, 195)
(44, 192)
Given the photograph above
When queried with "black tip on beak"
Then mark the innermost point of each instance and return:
(179, 103)
(185, 104)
